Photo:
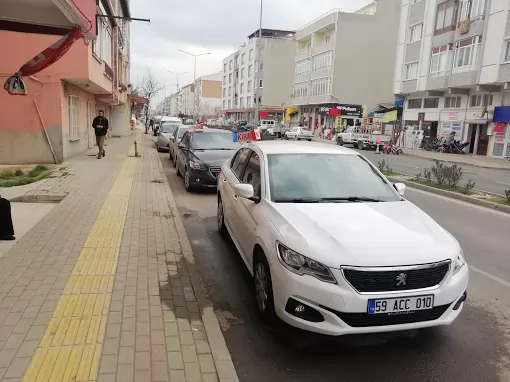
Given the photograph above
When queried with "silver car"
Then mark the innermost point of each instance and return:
(174, 141)
(166, 131)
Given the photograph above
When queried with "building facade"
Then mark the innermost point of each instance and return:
(53, 122)
(259, 71)
(344, 63)
(453, 68)
(186, 100)
(208, 95)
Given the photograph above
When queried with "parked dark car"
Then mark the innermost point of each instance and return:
(200, 155)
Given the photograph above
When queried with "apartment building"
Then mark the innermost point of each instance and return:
(453, 68)
(53, 122)
(259, 71)
(186, 100)
(344, 63)
(208, 95)
(173, 105)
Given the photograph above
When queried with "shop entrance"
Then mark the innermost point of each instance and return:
(478, 138)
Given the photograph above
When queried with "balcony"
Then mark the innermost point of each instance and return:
(323, 47)
(322, 73)
(301, 54)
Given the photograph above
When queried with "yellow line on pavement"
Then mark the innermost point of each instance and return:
(71, 346)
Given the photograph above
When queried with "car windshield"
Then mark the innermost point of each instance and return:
(169, 127)
(181, 131)
(214, 141)
(301, 178)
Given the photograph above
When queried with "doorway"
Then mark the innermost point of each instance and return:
(483, 140)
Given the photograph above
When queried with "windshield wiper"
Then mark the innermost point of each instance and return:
(351, 199)
(298, 200)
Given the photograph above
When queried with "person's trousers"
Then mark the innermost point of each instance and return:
(6, 228)
(100, 143)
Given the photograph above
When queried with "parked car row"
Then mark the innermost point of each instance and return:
(333, 247)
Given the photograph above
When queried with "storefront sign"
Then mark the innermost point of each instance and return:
(453, 116)
(500, 137)
(339, 123)
(289, 112)
(456, 126)
(345, 110)
(390, 116)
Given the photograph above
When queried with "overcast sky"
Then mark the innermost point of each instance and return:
(201, 26)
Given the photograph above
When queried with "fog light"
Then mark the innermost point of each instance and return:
(299, 309)
(197, 180)
(461, 300)
(303, 311)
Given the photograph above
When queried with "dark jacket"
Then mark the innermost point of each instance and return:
(100, 121)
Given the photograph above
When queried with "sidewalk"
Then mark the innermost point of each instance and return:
(104, 287)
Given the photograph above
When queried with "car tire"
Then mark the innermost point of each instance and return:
(158, 148)
(340, 141)
(361, 145)
(177, 169)
(263, 288)
(187, 182)
(170, 155)
(220, 219)
(309, 140)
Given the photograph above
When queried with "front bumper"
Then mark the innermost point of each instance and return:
(344, 310)
(202, 178)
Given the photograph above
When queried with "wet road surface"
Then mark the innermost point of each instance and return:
(475, 348)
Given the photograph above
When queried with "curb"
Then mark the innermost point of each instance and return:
(457, 162)
(220, 353)
(451, 195)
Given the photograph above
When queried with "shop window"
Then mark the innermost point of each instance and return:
(445, 17)
(414, 103)
(467, 52)
(415, 32)
(411, 71)
(452, 102)
(431, 103)
(441, 60)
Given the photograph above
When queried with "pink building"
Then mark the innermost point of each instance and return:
(53, 122)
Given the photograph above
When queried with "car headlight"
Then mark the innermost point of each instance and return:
(196, 165)
(302, 265)
(458, 263)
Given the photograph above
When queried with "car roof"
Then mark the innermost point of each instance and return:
(210, 130)
(286, 147)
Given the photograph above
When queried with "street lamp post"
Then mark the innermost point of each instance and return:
(257, 67)
(194, 79)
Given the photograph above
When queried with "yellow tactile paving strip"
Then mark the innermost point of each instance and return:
(71, 346)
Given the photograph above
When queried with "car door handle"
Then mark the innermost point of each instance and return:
(235, 197)
(224, 180)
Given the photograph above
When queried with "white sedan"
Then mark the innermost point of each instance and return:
(299, 133)
(333, 247)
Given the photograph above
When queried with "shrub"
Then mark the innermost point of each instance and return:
(468, 187)
(449, 176)
(381, 165)
(507, 193)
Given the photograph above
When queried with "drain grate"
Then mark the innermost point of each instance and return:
(39, 198)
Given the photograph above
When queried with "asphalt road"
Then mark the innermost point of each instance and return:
(475, 348)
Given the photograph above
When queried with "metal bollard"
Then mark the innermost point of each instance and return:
(136, 150)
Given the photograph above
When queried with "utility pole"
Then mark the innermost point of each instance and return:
(257, 67)
(194, 80)
(177, 75)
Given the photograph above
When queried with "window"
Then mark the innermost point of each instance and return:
(241, 89)
(467, 52)
(224, 92)
(261, 66)
(248, 102)
(242, 73)
(445, 16)
(249, 86)
(431, 103)
(225, 67)
(441, 59)
(238, 162)
(452, 102)
(230, 64)
(261, 84)
(74, 117)
(415, 1)
(327, 39)
(250, 70)
(411, 71)
(242, 58)
(415, 32)
(230, 78)
(301, 90)
(102, 47)
(477, 100)
(241, 102)
(224, 79)
(302, 67)
(250, 55)
(224, 104)
(230, 90)
(414, 103)
(252, 173)
(507, 51)
(320, 87)
(229, 103)
(236, 61)
(323, 60)
(470, 9)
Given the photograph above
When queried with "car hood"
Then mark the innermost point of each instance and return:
(166, 136)
(362, 234)
(214, 157)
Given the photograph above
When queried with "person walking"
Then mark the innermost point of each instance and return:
(100, 125)
(6, 228)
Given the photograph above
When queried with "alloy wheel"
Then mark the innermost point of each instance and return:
(261, 287)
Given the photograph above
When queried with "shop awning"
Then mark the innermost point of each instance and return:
(501, 114)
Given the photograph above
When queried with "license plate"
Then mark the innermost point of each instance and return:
(400, 304)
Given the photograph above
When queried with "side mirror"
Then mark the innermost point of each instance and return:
(246, 191)
(182, 146)
(400, 187)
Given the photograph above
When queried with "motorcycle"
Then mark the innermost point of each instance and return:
(392, 149)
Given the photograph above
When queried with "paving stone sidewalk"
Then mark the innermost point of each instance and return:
(159, 324)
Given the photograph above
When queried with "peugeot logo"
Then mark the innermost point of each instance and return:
(401, 279)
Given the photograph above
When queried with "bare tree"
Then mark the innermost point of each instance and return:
(149, 88)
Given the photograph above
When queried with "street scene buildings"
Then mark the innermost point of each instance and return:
(255, 191)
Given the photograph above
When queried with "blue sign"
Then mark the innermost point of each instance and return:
(501, 114)
(234, 136)
(399, 102)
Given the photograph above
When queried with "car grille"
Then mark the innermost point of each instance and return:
(359, 320)
(415, 277)
(215, 170)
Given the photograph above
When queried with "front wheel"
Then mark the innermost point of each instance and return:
(361, 145)
(187, 180)
(220, 219)
(263, 288)
(339, 141)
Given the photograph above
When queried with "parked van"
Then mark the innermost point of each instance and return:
(266, 124)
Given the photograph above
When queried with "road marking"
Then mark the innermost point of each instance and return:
(490, 276)
(508, 184)
(72, 343)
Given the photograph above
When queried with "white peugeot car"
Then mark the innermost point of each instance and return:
(333, 247)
